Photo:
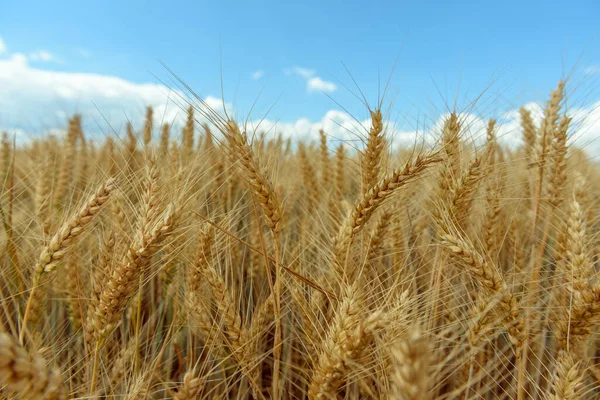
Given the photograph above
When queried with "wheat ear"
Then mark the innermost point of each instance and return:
(567, 379)
(28, 374)
(487, 275)
(412, 359)
(371, 158)
(373, 199)
(264, 192)
(190, 388)
(59, 245)
(347, 339)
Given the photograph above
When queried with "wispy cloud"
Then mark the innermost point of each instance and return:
(3, 48)
(317, 84)
(314, 83)
(83, 52)
(305, 73)
(36, 56)
(43, 56)
(256, 75)
(592, 69)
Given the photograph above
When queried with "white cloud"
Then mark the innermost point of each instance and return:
(584, 132)
(35, 100)
(339, 126)
(318, 84)
(3, 48)
(314, 83)
(43, 56)
(256, 75)
(586, 121)
(305, 73)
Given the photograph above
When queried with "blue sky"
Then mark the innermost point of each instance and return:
(295, 52)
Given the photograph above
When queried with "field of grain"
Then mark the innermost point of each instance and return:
(210, 263)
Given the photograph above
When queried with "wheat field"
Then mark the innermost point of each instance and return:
(212, 263)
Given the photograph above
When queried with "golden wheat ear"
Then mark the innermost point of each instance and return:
(28, 375)
(190, 388)
(347, 339)
(412, 360)
(364, 209)
(62, 241)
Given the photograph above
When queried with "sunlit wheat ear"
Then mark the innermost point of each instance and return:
(165, 133)
(28, 375)
(449, 170)
(340, 179)
(378, 236)
(42, 196)
(325, 160)
(451, 141)
(65, 175)
(348, 337)
(253, 339)
(148, 125)
(371, 157)
(242, 154)
(375, 197)
(579, 296)
(226, 305)
(203, 259)
(190, 388)
(548, 126)
(568, 378)
(529, 132)
(580, 319)
(579, 266)
(122, 282)
(462, 191)
(558, 165)
(108, 157)
(53, 254)
(138, 387)
(101, 271)
(487, 275)
(492, 225)
(74, 285)
(187, 136)
(309, 177)
(340, 183)
(412, 359)
(71, 229)
(491, 142)
(152, 197)
(131, 149)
